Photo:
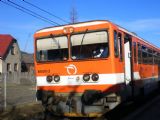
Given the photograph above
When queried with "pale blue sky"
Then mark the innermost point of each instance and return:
(139, 16)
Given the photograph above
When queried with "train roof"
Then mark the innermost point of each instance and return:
(79, 24)
(93, 22)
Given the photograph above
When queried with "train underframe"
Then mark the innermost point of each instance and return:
(91, 103)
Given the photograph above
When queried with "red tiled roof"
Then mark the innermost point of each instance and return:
(5, 41)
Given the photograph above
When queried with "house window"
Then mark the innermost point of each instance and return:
(15, 67)
(8, 67)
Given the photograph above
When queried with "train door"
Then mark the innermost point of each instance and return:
(128, 64)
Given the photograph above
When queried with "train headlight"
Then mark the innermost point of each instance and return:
(86, 77)
(56, 78)
(49, 79)
(95, 77)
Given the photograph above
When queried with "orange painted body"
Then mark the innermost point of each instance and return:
(109, 65)
(85, 87)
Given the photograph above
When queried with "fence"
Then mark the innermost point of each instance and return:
(16, 88)
(19, 78)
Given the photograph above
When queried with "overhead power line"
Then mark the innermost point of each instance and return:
(45, 11)
(33, 12)
(25, 11)
(30, 13)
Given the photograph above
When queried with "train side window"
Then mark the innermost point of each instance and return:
(120, 46)
(116, 44)
(159, 58)
(144, 54)
(156, 58)
(135, 54)
(139, 54)
(150, 56)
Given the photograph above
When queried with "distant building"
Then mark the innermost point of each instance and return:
(10, 55)
(27, 62)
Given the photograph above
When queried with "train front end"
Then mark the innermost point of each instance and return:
(75, 69)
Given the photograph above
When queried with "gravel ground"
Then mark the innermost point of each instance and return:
(29, 111)
(22, 105)
(19, 94)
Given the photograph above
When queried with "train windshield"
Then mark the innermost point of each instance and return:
(89, 45)
(52, 49)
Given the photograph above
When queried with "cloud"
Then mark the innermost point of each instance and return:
(141, 25)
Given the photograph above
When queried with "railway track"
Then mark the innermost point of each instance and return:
(129, 111)
(136, 109)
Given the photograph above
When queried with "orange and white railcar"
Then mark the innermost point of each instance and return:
(86, 68)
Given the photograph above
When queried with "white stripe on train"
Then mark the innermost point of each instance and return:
(73, 80)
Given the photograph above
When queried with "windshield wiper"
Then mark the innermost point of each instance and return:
(82, 42)
(55, 41)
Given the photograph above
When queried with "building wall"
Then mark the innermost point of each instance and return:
(12, 59)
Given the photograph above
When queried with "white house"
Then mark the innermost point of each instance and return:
(10, 55)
